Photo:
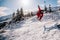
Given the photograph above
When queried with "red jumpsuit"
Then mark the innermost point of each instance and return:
(39, 13)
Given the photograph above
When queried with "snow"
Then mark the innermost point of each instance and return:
(33, 29)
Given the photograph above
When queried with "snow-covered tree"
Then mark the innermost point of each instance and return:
(50, 10)
(45, 8)
(22, 14)
(13, 15)
(18, 15)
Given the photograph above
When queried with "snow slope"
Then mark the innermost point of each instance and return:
(33, 29)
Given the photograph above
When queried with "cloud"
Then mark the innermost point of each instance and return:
(58, 1)
(2, 11)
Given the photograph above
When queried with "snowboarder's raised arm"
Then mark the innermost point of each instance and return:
(39, 9)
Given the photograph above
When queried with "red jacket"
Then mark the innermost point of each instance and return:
(39, 13)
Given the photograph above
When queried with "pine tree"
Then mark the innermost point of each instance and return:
(17, 12)
(22, 12)
(13, 16)
(45, 9)
(50, 10)
(17, 15)
(31, 13)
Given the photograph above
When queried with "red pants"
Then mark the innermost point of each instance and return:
(40, 16)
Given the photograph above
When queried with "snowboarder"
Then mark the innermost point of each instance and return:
(39, 13)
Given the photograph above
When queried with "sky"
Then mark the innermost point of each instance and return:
(58, 2)
(10, 6)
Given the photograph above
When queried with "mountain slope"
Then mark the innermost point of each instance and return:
(5, 18)
(33, 29)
